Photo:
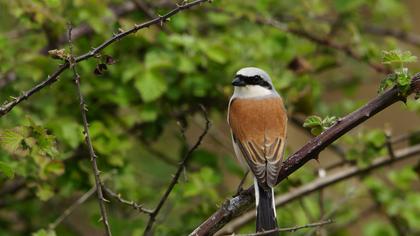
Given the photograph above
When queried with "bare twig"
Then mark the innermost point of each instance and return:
(133, 204)
(290, 229)
(311, 150)
(72, 207)
(322, 183)
(241, 183)
(174, 181)
(83, 109)
(8, 106)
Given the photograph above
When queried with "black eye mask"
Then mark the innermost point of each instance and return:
(254, 80)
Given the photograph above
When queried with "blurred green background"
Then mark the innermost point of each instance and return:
(137, 107)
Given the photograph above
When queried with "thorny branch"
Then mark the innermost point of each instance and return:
(8, 106)
(133, 204)
(174, 181)
(71, 208)
(311, 150)
(93, 157)
(289, 229)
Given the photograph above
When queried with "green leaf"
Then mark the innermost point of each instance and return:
(44, 192)
(403, 178)
(43, 232)
(151, 86)
(54, 167)
(11, 139)
(389, 81)
(328, 122)
(316, 130)
(148, 113)
(397, 56)
(376, 137)
(347, 5)
(378, 228)
(216, 53)
(7, 169)
(312, 121)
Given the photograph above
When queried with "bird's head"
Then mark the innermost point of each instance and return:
(252, 82)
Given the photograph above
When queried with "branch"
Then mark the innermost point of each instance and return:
(83, 109)
(290, 229)
(239, 204)
(118, 11)
(324, 182)
(133, 204)
(73, 206)
(8, 106)
(181, 167)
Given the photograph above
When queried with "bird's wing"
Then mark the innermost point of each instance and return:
(259, 130)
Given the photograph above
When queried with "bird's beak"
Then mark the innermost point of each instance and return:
(238, 82)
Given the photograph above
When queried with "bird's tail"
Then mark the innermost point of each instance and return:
(266, 210)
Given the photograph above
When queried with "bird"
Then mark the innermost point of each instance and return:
(258, 121)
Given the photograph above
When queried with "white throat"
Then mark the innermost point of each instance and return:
(252, 91)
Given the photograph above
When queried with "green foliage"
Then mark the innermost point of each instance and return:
(156, 78)
(401, 77)
(398, 57)
(365, 146)
(318, 125)
(44, 232)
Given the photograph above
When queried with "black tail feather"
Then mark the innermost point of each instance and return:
(266, 218)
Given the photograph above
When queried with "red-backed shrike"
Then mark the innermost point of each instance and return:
(258, 121)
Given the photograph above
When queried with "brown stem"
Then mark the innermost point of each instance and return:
(133, 204)
(93, 157)
(290, 229)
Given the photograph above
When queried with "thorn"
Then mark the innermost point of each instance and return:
(105, 200)
(100, 219)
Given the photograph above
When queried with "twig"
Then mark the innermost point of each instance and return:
(311, 150)
(8, 106)
(290, 229)
(133, 204)
(239, 189)
(72, 207)
(174, 181)
(83, 109)
(322, 183)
